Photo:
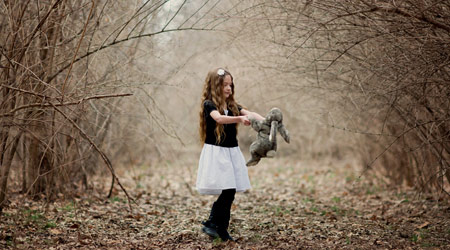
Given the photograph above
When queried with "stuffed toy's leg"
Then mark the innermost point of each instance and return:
(271, 154)
(254, 160)
(255, 156)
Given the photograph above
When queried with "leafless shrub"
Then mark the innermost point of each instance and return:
(65, 68)
(383, 68)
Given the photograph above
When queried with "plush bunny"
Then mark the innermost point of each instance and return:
(266, 142)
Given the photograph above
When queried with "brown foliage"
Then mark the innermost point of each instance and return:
(292, 205)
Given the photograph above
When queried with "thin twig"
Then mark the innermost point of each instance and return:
(50, 104)
(76, 52)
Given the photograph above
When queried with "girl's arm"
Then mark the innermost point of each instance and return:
(252, 114)
(223, 119)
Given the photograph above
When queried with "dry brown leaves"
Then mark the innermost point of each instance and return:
(292, 205)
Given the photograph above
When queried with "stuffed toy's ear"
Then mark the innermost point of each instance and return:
(273, 132)
(284, 133)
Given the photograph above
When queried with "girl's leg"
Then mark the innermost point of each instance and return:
(225, 200)
(219, 218)
(209, 226)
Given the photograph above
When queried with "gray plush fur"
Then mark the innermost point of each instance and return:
(266, 143)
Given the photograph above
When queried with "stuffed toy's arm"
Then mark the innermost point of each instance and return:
(256, 125)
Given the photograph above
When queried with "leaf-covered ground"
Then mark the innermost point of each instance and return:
(292, 205)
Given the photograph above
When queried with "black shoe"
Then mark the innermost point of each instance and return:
(211, 231)
(224, 235)
(216, 232)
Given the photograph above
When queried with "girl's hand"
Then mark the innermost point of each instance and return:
(245, 120)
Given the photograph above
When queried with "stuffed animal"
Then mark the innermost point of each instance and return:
(266, 142)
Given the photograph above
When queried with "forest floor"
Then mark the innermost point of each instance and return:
(292, 205)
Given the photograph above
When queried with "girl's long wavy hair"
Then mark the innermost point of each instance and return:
(213, 91)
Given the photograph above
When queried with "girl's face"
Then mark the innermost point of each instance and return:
(227, 82)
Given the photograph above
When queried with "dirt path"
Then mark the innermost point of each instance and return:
(292, 205)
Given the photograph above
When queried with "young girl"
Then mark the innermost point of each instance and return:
(221, 170)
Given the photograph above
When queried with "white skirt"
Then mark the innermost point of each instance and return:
(221, 168)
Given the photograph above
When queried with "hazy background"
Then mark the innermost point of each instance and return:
(118, 83)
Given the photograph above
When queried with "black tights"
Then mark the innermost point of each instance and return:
(226, 198)
(221, 210)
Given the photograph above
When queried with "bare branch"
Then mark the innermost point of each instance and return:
(49, 104)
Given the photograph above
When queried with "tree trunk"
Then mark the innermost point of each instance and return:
(6, 166)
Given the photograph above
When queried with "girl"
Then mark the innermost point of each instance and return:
(222, 170)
